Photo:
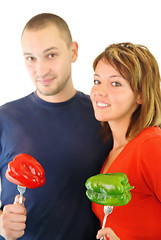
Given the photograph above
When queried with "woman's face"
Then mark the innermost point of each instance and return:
(112, 97)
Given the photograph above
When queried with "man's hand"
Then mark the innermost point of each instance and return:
(107, 232)
(12, 220)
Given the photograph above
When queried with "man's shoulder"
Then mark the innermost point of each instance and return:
(15, 107)
(84, 97)
(14, 103)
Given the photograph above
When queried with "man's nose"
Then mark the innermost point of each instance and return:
(41, 69)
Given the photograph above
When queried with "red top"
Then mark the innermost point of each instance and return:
(140, 160)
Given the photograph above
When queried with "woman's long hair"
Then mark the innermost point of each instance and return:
(139, 67)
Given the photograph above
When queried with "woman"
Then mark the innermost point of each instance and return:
(126, 98)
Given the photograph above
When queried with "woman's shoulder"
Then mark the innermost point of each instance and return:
(149, 134)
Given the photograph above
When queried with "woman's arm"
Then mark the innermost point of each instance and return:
(108, 233)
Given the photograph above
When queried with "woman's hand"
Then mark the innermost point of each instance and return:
(108, 233)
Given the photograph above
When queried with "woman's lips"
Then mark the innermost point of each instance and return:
(101, 104)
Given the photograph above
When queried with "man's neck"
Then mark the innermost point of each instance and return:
(57, 98)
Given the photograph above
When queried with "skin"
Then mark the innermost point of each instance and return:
(107, 232)
(114, 102)
(48, 59)
(12, 220)
(113, 99)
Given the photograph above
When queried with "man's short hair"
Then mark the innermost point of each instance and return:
(40, 21)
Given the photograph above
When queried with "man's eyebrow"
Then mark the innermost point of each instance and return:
(26, 53)
(45, 51)
(49, 49)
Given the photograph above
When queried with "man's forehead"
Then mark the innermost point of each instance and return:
(49, 31)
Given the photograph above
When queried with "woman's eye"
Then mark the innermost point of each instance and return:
(96, 82)
(116, 84)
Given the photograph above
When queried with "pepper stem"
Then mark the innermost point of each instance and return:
(128, 187)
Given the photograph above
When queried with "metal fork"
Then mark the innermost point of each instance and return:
(107, 211)
(21, 191)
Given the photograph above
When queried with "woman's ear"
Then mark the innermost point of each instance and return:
(139, 99)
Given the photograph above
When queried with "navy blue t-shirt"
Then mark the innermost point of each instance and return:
(64, 138)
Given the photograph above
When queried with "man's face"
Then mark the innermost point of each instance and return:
(48, 59)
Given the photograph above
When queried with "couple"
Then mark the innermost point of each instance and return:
(56, 125)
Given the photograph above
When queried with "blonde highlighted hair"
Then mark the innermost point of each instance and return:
(139, 67)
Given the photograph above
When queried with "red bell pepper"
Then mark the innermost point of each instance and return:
(25, 171)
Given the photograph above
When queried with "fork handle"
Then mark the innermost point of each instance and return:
(102, 238)
(104, 220)
(103, 225)
(21, 198)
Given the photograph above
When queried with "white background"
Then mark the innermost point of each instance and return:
(94, 25)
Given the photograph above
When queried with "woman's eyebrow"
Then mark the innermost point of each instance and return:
(111, 76)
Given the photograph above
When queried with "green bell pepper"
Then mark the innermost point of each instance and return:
(112, 189)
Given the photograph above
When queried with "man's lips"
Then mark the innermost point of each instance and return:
(46, 81)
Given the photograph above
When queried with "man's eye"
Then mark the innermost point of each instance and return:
(96, 82)
(52, 55)
(30, 58)
(116, 84)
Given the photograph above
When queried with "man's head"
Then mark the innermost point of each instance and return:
(42, 20)
(49, 51)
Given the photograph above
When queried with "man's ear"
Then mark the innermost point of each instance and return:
(74, 51)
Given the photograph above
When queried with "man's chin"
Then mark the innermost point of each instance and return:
(47, 93)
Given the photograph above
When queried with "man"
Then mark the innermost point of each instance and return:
(55, 125)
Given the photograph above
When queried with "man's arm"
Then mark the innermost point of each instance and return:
(12, 220)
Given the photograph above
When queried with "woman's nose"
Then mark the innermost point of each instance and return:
(99, 90)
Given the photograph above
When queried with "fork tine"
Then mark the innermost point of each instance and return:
(21, 191)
